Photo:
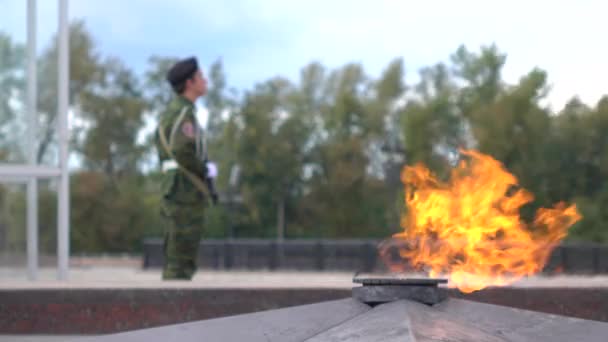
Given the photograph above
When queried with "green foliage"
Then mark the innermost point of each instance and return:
(115, 113)
(113, 216)
(316, 157)
(12, 83)
(269, 153)
(85, 73)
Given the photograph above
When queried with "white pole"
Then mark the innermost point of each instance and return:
(32, 229)
(32, 185)
(63, 247)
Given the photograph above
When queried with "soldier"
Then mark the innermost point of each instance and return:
(186, 187)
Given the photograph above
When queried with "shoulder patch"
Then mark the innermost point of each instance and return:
(188, 129)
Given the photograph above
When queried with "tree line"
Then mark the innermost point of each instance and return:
(315, 157)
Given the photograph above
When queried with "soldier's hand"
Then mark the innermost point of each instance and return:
(211, 169)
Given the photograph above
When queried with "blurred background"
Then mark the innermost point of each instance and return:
(312, 112)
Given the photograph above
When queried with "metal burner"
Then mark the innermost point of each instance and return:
(377, 289)
(397, 280)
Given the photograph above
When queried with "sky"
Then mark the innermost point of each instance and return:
(259, 39)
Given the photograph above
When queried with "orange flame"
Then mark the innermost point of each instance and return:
(469, 228)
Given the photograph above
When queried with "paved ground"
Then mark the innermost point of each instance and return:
(131, 276)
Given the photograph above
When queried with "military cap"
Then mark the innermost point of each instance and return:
(182, 71)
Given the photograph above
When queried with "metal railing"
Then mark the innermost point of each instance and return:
(344, 255)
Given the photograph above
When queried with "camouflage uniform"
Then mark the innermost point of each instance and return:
(182, 204)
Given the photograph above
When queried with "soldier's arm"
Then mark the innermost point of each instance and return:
(184, 145)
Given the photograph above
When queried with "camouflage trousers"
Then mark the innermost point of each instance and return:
(183, 232)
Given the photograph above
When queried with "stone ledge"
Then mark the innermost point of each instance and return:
(100, 311)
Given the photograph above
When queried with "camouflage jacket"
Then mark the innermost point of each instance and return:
(184, 137)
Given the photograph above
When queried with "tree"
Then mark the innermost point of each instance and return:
(578, 149)
(270, 154)
(114, 111)
(432, 125)
(218, 100)
(482, 74)
(343, 197)
(12, 89)
(85, 73)
(318, 157)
